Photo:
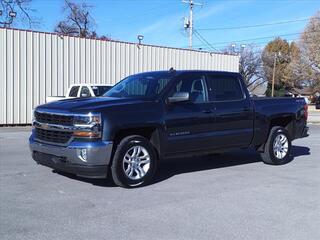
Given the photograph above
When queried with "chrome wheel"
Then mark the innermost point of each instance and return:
(280, 146)
(136, 162)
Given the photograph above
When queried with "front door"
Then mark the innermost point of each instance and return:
(187, 124)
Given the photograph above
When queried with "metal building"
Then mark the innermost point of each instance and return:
(34, 65)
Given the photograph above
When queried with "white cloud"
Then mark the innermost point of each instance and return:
(164, 24)
(212, 10)
(167, 30)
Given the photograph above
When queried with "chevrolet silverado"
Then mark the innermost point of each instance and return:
(151, 116)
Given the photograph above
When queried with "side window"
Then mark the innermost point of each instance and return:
(162, 83)
(225, 88)
(85, 92)
(194, 85)
(74, 91)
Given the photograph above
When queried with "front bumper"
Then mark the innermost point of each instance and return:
(70, 158)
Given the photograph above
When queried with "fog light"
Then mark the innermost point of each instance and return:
(83, 155)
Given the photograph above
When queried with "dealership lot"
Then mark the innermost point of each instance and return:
(233, 196)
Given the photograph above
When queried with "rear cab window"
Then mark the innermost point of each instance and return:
(85, 92)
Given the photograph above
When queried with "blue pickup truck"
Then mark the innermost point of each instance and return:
(151, 116)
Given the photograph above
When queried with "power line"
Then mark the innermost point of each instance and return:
(257, 25)
(202, 39)
(252, 39)
(258, 43)
(259, 38)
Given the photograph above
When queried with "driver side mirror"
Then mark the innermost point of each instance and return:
(84, 95)
(179, 97)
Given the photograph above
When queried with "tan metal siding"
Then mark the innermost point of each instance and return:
(35, 65)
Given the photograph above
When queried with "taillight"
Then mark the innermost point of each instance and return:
(306, 111)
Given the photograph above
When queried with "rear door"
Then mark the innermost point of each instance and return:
(188, 124)
(233, 111)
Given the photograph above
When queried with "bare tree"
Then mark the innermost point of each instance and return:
(250, 66)
(304, 68)
(12, 11)
(310, 50)
(78, 21)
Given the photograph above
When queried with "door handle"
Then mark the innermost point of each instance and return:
(207, 111)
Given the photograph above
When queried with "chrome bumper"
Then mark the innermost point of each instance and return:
(71, 158)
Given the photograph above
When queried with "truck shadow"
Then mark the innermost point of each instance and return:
(171, 167)
(101, 182)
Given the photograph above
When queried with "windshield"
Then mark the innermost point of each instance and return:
(144, 85)
(100, 90)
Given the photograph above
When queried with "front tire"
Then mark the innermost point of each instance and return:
(134, 162)
(278, 147)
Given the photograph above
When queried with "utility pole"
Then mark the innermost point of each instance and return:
(274, 71)
(189, 24)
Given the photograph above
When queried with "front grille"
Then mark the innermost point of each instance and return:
(65, 120)
(53, 136)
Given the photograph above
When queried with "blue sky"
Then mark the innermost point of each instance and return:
(161, 21)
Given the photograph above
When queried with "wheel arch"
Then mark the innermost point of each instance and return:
(152, 133)
(287, 122)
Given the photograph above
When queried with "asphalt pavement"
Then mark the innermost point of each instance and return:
(232, 196)
(314, 115)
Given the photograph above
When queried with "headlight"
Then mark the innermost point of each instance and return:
(88, 126)
(90, 119)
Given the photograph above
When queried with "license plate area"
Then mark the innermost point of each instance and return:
(49, 157)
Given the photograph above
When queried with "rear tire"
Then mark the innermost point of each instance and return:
(278, 147)
(134, 162)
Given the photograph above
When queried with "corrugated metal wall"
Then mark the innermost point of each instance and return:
(35, 65)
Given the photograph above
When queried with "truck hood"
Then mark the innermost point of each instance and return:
(87, 104)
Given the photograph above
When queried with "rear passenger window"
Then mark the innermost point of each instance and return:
(74, 91)
(225, 88)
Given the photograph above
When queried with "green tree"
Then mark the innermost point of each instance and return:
(276, 52)
(277, 58)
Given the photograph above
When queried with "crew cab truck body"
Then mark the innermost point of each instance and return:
(82, 90)
(155, 115)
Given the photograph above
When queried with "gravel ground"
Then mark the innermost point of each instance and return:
(233, 196)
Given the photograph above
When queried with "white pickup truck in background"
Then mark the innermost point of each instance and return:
(82, 90)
